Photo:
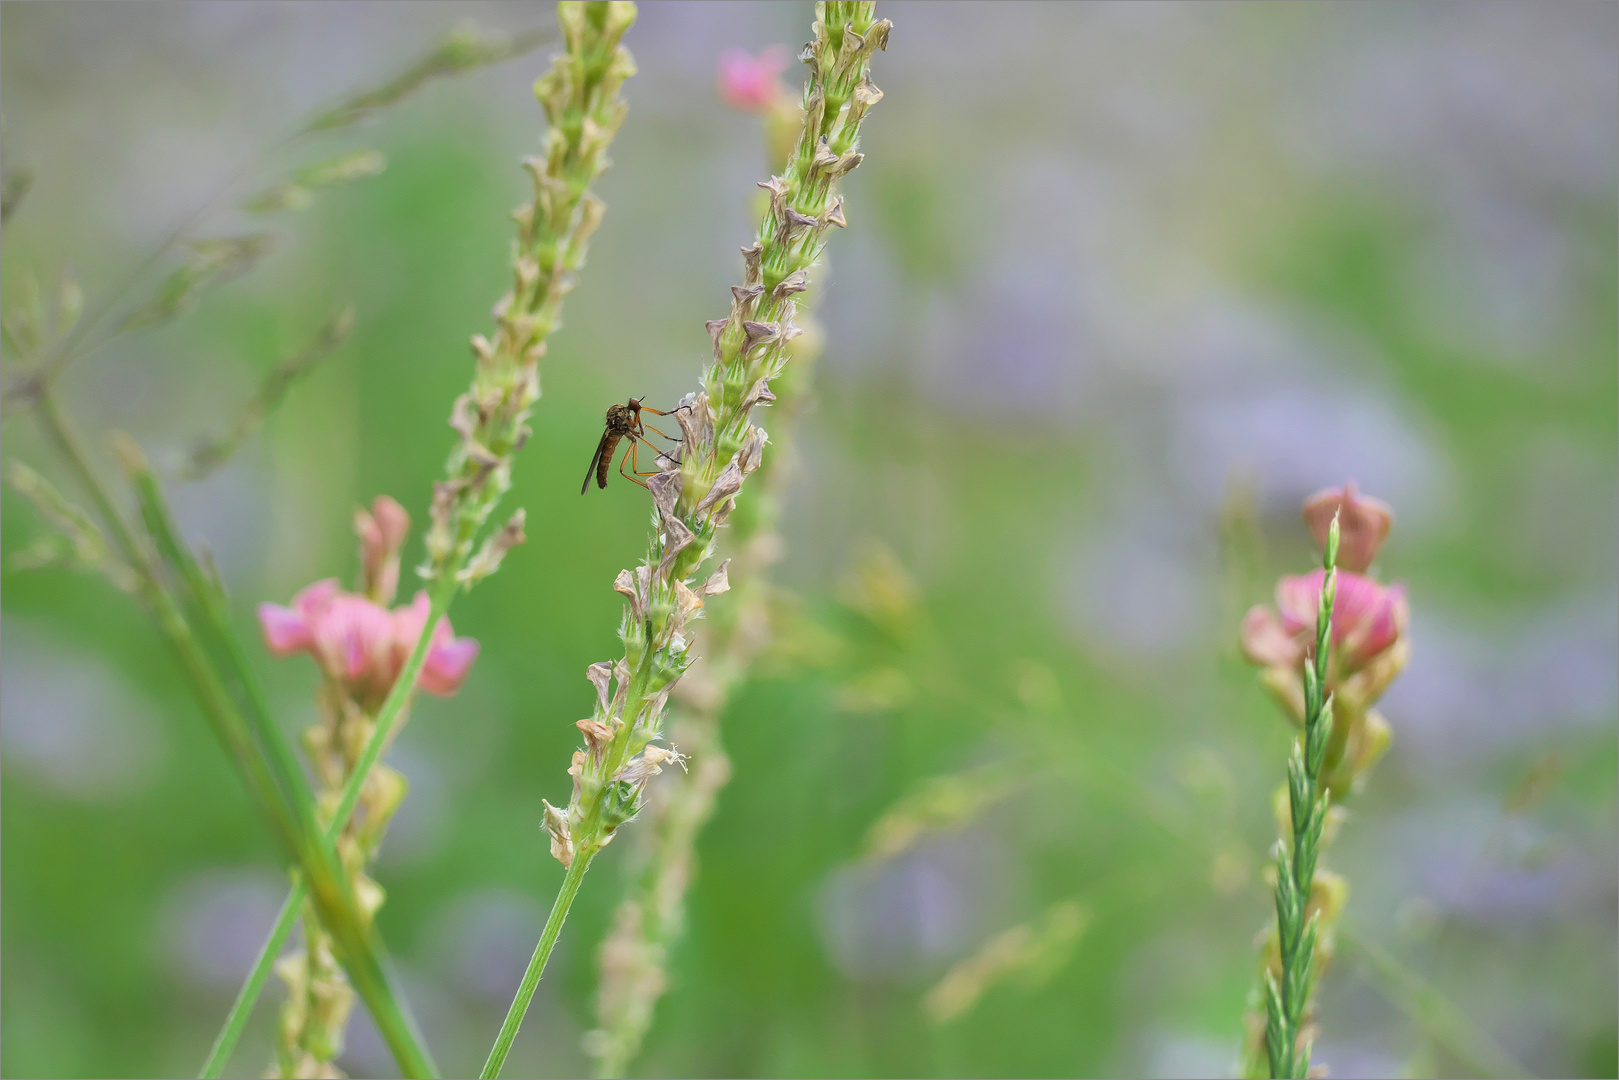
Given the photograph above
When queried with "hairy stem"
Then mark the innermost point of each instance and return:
(536, 966)
(696, 494)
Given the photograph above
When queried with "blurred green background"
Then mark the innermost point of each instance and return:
(1121, 285)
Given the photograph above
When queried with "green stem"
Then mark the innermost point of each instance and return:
(392, 707)
(243, 1008)
(211, 695)
(334, 901)
(1296, 928)
(536, 965)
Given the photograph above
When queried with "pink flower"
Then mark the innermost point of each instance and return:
(749, 83)
(449, 658)
(1363, 524)
(1367, 618)
(362, 645)
(382, 533)
(1369, 645)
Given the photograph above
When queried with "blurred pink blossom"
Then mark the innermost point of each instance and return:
(382, 533)
(1368, 641)
(750, 83)
(1367, 617)
(362, 645)
(1363, 524)
(1369, 645)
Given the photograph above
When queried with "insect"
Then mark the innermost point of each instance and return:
(623, 422)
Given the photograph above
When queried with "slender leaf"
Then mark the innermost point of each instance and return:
(463, 51)
(212, 452)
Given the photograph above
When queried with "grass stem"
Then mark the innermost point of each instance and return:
(243, 1007)
(536, 965)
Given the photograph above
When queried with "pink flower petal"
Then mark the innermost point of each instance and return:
(352, 636)
(392, 521)
(1298, 598)
(407, 625)
(284, 630)
(312, 601)
(448, 663)
(1366, 619)
(1363, 524)
(748, 83)
(1265, 643)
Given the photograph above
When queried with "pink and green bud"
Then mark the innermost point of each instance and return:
(382, 533)
(1363, 523)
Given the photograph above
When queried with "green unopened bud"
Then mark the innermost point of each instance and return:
(69, 303)
(620, 17)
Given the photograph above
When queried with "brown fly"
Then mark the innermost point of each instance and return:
(624, 422)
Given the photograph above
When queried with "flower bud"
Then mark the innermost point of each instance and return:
(1363, 522)
(382, 533)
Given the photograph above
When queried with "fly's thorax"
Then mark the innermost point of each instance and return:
(621, 419)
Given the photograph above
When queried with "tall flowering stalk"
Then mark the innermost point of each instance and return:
(583, 110)
(1346, 633)
(632, 959)
(696, 494)
(360, 646)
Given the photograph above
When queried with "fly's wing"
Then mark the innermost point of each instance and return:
(598, 463)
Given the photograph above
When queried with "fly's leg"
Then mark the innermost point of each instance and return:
(634, 457)
(628, 456)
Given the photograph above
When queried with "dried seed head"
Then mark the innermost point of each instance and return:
(676, 537)
(795, 282)
(556, 823)
(600, 676)
(751, 456)
(597, 736)
(778, 189)
(823, 156)
(791, 224)
(665, 488)
(744, 300)
(687, 603)
(758, 333)
(624, 585)
(726, 484)
(752, 272)
(649, 764)
(719, 581)
(715, 328)
(758, 394)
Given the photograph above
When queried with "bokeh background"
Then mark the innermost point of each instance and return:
(1122, 284)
